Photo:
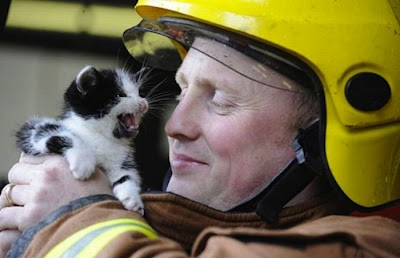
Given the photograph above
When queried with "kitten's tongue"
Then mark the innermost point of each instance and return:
(130, 122)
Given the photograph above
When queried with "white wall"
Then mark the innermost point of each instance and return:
(32, 82)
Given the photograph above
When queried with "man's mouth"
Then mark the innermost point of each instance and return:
(182, 163)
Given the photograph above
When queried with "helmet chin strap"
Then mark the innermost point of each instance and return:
(295, 176)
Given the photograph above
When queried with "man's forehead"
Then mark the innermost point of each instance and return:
(223, 53)
(224, 66)
(198, 68)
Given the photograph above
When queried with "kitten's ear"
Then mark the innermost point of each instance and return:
(86, 79)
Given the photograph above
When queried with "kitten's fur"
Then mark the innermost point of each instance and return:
(101, 116)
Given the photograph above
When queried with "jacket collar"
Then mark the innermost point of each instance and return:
(181, 219)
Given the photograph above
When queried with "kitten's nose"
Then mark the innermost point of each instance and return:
(143, 106)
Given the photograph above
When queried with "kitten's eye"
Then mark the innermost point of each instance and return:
(142, 92)
(121, 95)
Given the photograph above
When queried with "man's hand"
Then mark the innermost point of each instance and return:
(42, 184)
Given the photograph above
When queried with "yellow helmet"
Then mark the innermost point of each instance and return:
(352, 49)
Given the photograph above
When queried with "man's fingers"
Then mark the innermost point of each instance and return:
(27, 170)
(21, 174)
(25, 158)
(3, 201)
(20, 217)
(7, 238)
(9, 217)
(48, 158)
(18, 194)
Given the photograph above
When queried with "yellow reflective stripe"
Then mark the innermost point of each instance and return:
(100, 242)
(89, 241)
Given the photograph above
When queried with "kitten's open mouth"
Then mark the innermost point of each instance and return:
(129, 121)
(127, 126)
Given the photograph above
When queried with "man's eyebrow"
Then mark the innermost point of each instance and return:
(228, 85)
(181, 79)
(215, 82)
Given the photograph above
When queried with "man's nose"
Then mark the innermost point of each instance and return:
(185, 120)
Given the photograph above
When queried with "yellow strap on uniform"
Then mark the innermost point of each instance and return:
(89, 241)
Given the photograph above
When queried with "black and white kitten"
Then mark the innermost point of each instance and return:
(101, 116)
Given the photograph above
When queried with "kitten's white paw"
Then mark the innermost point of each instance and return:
(128, 194)
(81, 164)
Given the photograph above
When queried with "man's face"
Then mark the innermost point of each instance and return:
(228, 136)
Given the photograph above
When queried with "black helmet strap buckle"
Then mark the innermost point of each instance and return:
(295, 176)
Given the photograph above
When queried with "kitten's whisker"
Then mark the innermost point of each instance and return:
(145, 74)
(143, 68)
(161, 106)
(170, 94)
(159, 115)
(125, 64)
(154, 88)
(161, 97)
(117, 57)
(160, 103)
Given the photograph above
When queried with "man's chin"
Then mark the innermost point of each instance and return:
(185, 189)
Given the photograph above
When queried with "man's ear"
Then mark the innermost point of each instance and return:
(86, 79)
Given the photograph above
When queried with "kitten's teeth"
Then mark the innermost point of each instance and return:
(137, 121)
(131, 121)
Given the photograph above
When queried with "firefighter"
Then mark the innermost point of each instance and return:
(287, 121)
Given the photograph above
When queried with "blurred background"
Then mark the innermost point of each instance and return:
(43, 46)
